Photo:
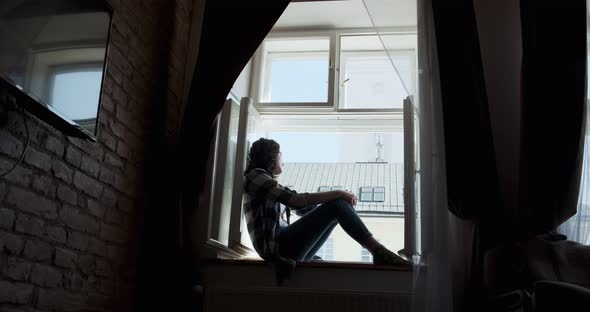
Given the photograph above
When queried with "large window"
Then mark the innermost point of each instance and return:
(343, 117)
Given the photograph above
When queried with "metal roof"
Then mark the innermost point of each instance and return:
(309, 177)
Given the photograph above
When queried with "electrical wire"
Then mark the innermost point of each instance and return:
(22, 156)
(395, 68)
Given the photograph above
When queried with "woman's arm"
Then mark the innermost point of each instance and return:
(261, 184)
(304, 200)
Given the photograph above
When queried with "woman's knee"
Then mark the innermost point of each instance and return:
(341, 203)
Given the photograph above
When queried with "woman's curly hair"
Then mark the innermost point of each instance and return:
(263, 154)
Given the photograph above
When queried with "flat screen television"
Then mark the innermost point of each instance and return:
(52, 60)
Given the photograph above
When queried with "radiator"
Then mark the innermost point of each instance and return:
(225, 299)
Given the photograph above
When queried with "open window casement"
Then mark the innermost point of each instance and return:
(411, 181)
(240, 125)
(239, 239)
(237, 128)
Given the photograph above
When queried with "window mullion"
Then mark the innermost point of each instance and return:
(333, 72)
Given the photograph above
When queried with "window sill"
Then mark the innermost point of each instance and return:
(308, 276)
(318, 264)
(222, 255)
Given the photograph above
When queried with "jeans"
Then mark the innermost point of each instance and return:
(301, 240)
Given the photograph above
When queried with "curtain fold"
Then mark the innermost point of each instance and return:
(472, 182)
(231, 32)
(445, 239)
(554, 96)
(471, 175)
(577, 228)
(553, 88)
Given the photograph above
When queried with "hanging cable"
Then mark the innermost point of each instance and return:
(22, 156)
(395, 68)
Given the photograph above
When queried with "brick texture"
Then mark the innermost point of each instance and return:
(70, 214)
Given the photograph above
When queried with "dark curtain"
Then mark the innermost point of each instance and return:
(232, 30)
(554, 73)
(471, 175)
(472, 183)
(554, 96)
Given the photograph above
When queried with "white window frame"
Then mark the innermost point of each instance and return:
(259, 72)
(234, 248)
(372, 192)
(378, 187)
(370, 200)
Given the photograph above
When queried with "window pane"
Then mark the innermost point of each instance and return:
(367, 77)
(379, 194)
(75, 93)
(323, 189)
(296, 71)
(379, 197)
(366, 196)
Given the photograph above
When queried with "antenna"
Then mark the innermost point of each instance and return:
(378, 139)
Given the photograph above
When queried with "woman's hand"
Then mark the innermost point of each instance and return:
(349, 197)
(324, 197)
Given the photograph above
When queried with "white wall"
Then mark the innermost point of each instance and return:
(241, 87)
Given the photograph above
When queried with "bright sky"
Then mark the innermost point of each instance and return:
(372, 83)
(76, 94)
(299, 81)
(338, 147)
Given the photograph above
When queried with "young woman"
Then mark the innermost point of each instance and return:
(282, 243)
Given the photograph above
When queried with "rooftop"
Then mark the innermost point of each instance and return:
(374, 179)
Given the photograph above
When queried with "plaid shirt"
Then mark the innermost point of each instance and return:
(262, 199)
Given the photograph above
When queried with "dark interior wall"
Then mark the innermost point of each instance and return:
(72, 229)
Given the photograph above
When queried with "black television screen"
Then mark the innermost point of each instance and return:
(52, 53)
